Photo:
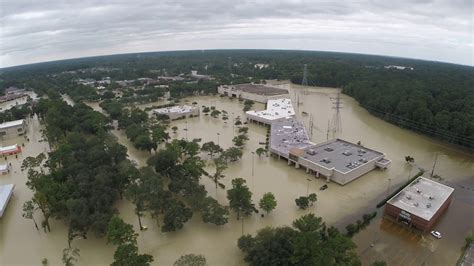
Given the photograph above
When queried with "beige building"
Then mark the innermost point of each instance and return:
(253, 92)
(12, 129)
(177, 112)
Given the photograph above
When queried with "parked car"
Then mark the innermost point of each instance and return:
(436, 234)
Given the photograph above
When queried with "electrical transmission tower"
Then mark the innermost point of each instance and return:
(336, 118)
(304, 82)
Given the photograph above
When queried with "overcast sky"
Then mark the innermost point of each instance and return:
(46, 30)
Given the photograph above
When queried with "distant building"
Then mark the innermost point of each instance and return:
(12, 129)
(254, 92)
(420, 204)
(195, 74)
(6, 192)
(13, 90)
(398, 67)
(261, 66)
(176, 112)
(277, 110)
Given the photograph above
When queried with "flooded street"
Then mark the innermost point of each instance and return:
(337, 205)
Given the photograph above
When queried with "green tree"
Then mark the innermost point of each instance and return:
(211, 148)
(213, 212)
(260, 151)
(378, 263)
(127, 254)
(175, 129)
(233, 154)
(70, 256)
(302, 202)
(176, 214)
(221, 164)
(240, 198)
(119, 232)
(28, 212)
(191, 260)
(268, 202)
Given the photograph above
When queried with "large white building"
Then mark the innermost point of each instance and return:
(176, 112)
(6, 192)
(254, 92)
(277, 110)
(12, 129)
(337, 160)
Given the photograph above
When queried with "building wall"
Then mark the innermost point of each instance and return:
(417, 222)
(343, 179)
(12, 132)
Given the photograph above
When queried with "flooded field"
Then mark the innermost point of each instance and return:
(337, 205)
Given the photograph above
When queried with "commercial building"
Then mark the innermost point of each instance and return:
(12, 129)
(337, 160)
(6, 192)
(254, 92)
(10, 150)
(420, 204)
(176, 112)
(4, 169)
(277, 110)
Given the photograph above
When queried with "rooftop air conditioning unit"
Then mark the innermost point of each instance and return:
(428, 205)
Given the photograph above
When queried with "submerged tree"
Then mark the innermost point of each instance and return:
(268, 202)
(191, 260)
(240, 198)
(28, 212)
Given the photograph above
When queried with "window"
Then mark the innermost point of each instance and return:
(3, 133)
(20, 129)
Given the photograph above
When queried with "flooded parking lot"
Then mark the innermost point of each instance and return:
(337, 205)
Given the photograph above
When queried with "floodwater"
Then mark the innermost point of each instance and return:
(338, 205)
(18, 102)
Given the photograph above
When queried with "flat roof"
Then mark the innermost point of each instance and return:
(260, 89)
(9, 124)
(5, 194)
(175, 109)
(9, 148)
(287, 135)
(422, 197)
(276, 109)
(341, 155)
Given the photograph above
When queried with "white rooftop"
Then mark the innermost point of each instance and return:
(3, 167)
(276, 109)
(8, 148)
(179, 109)
(5, 194)
(11, 124)
(422, 197)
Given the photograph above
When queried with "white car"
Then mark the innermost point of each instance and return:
(436, 234)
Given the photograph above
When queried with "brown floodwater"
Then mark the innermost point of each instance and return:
(20, 243)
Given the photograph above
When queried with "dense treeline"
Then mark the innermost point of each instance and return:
(435, 98)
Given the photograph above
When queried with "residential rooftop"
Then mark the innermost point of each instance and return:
(422, 197)
(288, 134)
(10, 124)
(179, 109)
(340, 155)
(276, 109)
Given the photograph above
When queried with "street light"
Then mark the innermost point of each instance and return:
(307, 187)
(253, 157)
(218, 134)
(388, 188)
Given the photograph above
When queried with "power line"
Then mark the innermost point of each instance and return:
(336, 118)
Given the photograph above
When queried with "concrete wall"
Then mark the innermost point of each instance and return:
(343, 179)
(12, 132)
(417, 222)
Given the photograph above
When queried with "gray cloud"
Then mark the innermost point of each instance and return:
(34, 31)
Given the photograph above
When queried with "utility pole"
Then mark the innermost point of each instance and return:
(311, 125)
(304, 82)
(336, 118)
(388, 188)
(307, 187)
(434, 165)
(218, 134)
(327, 133)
